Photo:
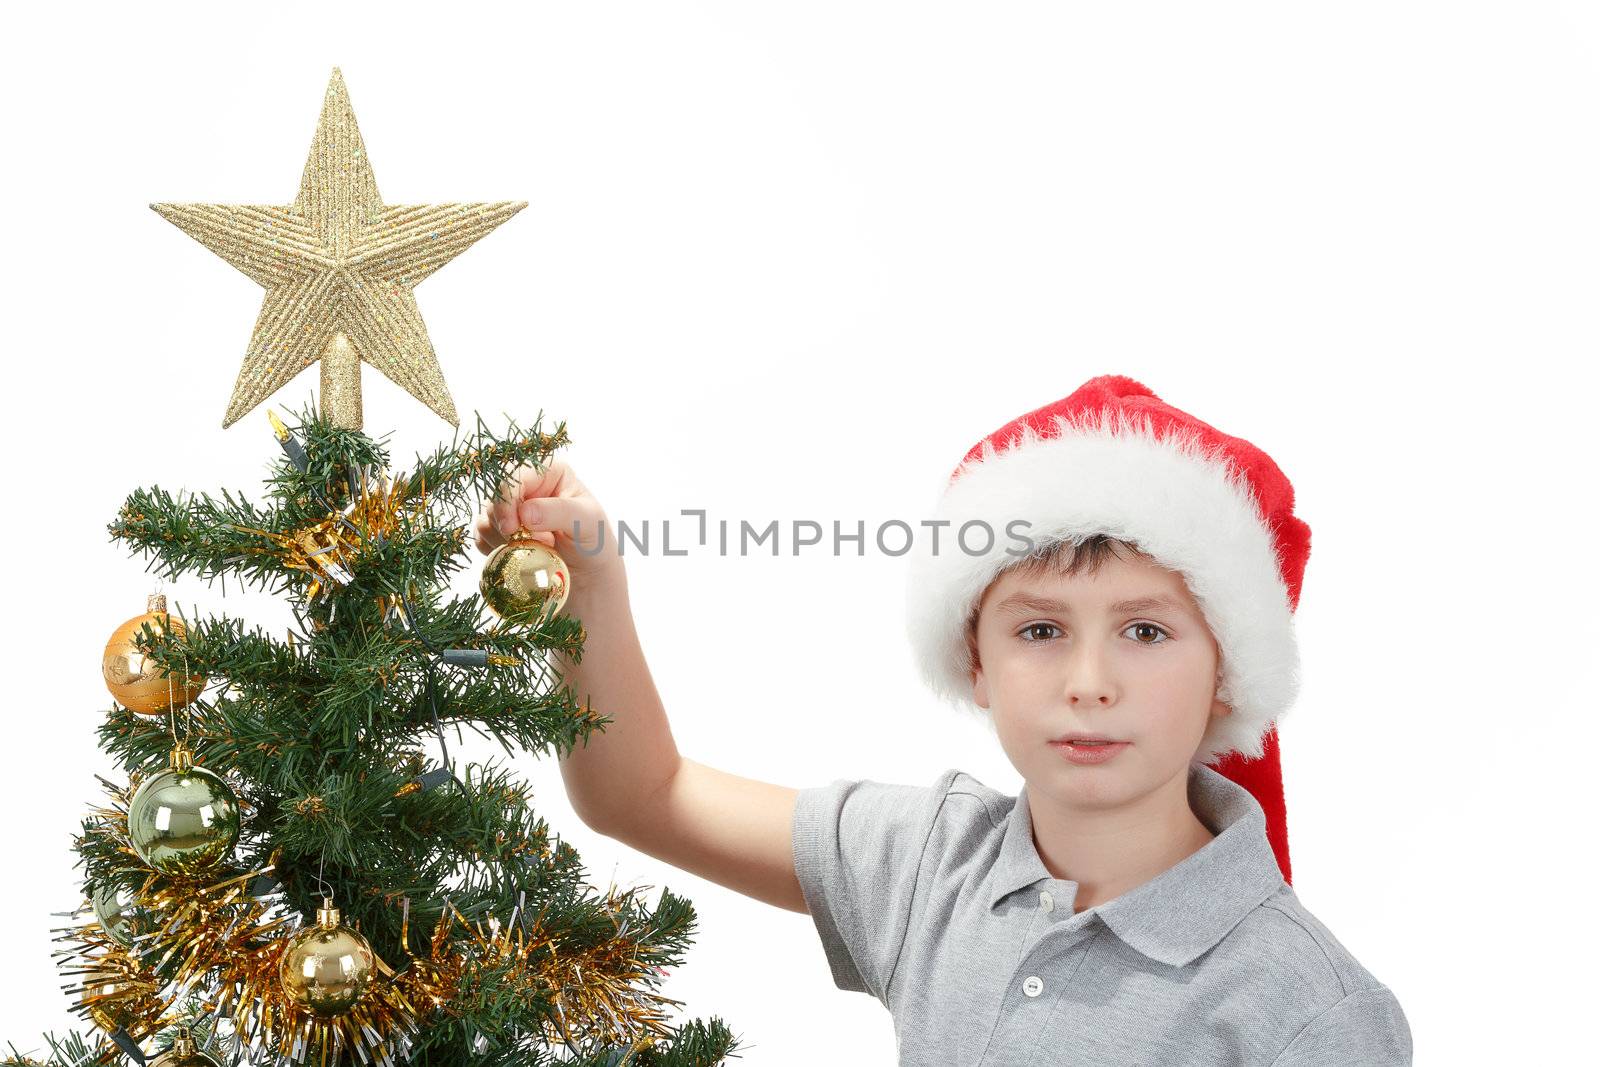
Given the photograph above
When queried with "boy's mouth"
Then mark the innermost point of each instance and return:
(1086, 739)
(1088, 751)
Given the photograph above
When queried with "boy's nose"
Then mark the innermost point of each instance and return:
(1087, 682)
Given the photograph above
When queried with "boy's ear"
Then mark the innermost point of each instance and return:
(980, 686)
(1218, 708)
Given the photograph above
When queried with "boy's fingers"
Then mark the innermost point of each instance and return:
(576, 517)
(527, 483)
(503, 515)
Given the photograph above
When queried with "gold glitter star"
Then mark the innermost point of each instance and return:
(338, 266)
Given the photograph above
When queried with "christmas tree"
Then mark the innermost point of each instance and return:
(285, 871)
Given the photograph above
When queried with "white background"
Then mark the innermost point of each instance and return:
(789, 261)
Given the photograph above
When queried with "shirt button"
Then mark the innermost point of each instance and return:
(1046, 901)
(1033, 986)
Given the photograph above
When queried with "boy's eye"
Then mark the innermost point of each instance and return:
(1031, 634)
(1150, 626)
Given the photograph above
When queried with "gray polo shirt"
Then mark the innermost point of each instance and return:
(934, 900)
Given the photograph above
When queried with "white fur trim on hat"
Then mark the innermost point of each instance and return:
(1190, 510)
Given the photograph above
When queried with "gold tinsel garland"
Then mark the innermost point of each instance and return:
(222, 942)
(328, 549)
(116, 987)
(594, 992)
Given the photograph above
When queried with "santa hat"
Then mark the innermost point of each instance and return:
(1114, 459)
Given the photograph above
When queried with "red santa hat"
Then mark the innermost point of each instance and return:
(1113, 458)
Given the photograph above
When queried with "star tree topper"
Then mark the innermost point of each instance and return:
(338, 266)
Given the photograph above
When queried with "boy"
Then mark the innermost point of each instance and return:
(1131, 905)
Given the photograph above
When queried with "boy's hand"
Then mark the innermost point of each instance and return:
(552, 504)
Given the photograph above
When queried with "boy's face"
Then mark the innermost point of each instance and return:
(1056, 656)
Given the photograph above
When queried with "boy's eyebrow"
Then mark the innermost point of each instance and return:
(1024, 602)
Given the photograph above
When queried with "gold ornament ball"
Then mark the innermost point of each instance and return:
(524, 575)
(195, 1058)
(325, 968)
(183, 1053)
(184, 820)
(109, 1001)
(135, 681)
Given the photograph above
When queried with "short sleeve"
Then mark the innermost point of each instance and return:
(858, 847)
(1365, 1027)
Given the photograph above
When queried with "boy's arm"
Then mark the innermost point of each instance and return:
(730, 830)
(630, 783)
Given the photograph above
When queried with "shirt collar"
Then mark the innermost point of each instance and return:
(1189, 907)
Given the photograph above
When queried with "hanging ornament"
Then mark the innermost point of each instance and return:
(184, 1053)
(185, 819)
(117, 914)
(136, 681)
(117, 993)
(108, 1001)
(326, 967)
(524, 575)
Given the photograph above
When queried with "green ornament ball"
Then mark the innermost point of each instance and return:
(118, 915)
(183, 821)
